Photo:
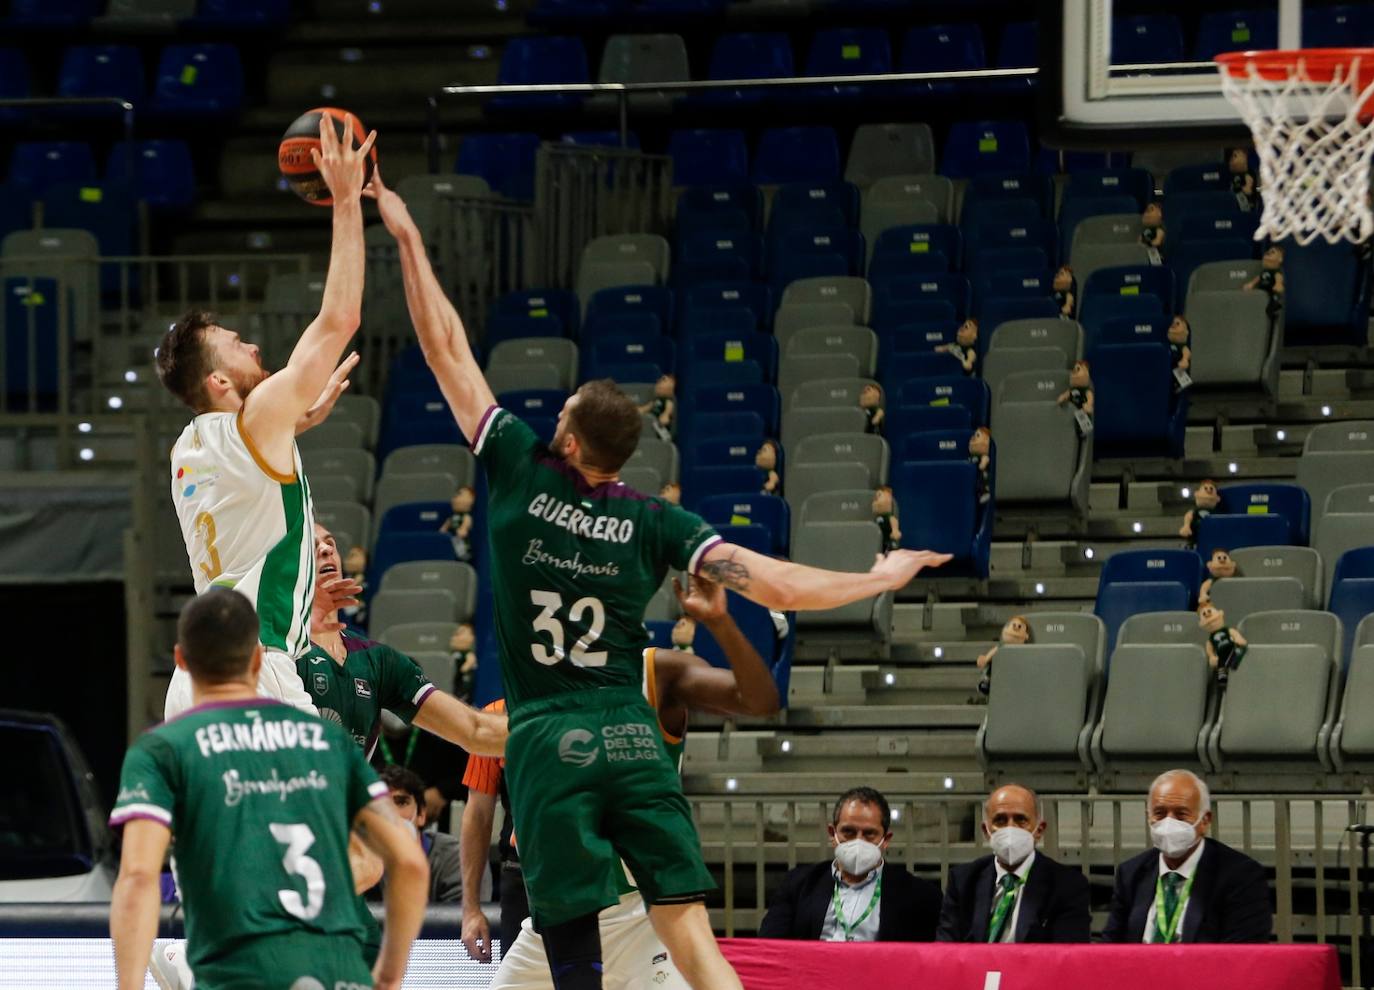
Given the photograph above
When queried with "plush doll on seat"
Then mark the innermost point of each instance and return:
(663, 407)
(885, 515)
(1225, 645)
(979, 455)
(1015, 632)
(1152, 231)
(965, 346)
(1205, 502)
(459, 523)
(1242, 179)
(1080, 393)
(871, 402)
(1222, 565)
(1270, 278)
(684, 634)
(766, 460)
(1181, 352)
(1065, 288)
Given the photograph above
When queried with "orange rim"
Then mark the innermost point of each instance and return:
(1320, 63)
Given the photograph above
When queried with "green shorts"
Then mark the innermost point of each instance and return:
(295, 961)
(591, 784)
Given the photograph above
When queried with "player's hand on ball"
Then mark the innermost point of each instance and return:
(704, 600)
(900, 566)
(342, 166)
(477, 936)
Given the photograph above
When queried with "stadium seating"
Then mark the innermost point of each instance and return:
(1043, 457)
(879, 151)
(198, 80)
(532, 60)
(1352, 738)
(708, 157)
(160, 172)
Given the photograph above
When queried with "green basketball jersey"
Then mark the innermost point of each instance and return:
(353, 693)
(260, 798)
(573, 566)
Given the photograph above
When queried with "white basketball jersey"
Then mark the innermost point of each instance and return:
(247, 527)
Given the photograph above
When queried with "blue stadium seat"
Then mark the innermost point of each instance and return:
(1269, 498)
(1072, 211)
(14, 83)
(747, 55)
(534, 403)
(1118, 602)
(899, 367)
(540, 303)
(1057, 161)
(717, 256)
(915, 250)
(660, 634)
(1100, 309)
(607, 351)
(943, 48)
(971, 393)
(724, 373)
(1199, 177)
(508, 326)
(1012, 285)
(16, 209)
(1186, 256)
(734, 207)
(981, 146)
(1147, 38)
(1017, 46)
(1128, 330)
(416, 419)
(708, 157)
(1239, 30)
(109, 211)
(939, 510)
(162, 174)
(1144, 418)
(751, 537)
(37, 164)
(32, 331)
(848, 52)
(654, 300)
(929, 287)
(909, 420)
(1111, 182)
(1133, 566)
(760, 348)
(506, 161)
(1000, 235)
(934, 445)
(198, 80)
(1228, 226)
(240, 15)
(756, 623)
(996, 310)
(1341, 26)
(811, 252)
(908, 328)
(52, 14)
(760, 399)
(726, 452)
(1223, 531)
(1327, 297)
(1034, 186)
(822, 203)
(796, 154)
(642, 326)
(754, 297)
(1133, 281)
(532, 60)
(703, 482)
(102, 70)
(1352, 593)
(413, 517)
(400, 547)
(750, 509)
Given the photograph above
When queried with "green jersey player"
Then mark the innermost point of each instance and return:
(236, 479)
(274, 790)
(577, 556)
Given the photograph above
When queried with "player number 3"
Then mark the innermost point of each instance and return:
(547, 622)
(297, 839)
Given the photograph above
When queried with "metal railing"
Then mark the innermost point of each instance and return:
(1305, 840)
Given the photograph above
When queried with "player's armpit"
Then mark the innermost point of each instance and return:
(137, 895)
(481, 733)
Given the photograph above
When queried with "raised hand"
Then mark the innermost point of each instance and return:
(342, 166)
(395, 217)
(337, 385)
(704, 600)
(900, 566)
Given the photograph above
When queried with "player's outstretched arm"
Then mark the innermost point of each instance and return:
(474, 850)
(786, 586)
(482, 733)
(407, 886)
(747, 688)
(137, 894)
(273, 409)
(437, 324)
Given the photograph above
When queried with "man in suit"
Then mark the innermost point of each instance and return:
(1190, 888)
(855, 897)
(1016, 894)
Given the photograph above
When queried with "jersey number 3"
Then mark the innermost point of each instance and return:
(205, 524)
(547, 621)
(297, 839)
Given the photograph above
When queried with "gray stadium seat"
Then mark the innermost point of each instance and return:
(453, 576)
(645, 478)
(1332, 455)
(440, 668)
(1233, 342)
(797, 370)
(1161, 628)
(844, 546)
(1240, 597)
(1036, 709)
(794, 316)
(825, 394)
(1067, 335)
(363, 410)
(1222, 276)
(659, 455)
(859, 342)
(394, 608)
(868, 449)
(1303, 564)
(349, 522)
(429, 458)
(882, 150)
(418, 637)
(809, 421)
(1106, 228)
(1350, 435)
(622, 248)
(644, 58)
(1280, 704)
(1352, 740)
(1349, 498)
(592, 277)
(335, 487)
(514, 377)
(850, 289)
(354, 463)
(1041, 457)
(804, 480)
(846, 505)
(397, 489)
(1339, 532)
(1001, 362)
(332, 435)
(67, 254)
(557, 351)
(1089, 257)
(1155, 709)
(900, 200)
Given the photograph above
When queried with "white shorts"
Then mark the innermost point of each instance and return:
(277, 679)
(632, 956)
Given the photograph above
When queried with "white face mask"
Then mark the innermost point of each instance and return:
(1173, 837)
(858, 857)
(1011, 845)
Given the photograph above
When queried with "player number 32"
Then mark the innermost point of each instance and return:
(547, 621)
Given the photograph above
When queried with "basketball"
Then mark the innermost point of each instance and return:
(293, 154)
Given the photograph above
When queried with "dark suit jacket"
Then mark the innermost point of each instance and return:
(1054, 903)
(1229, 901)
(907, 912)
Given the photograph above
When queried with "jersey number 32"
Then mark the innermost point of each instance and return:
(548, 621)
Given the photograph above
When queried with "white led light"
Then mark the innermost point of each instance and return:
(1137, 526)
(949, 783)
(731, 783)
(1187, 493)
(890, 679)
(83, 427)
(1326, 410)
(87, 454)
(786, 746)
(896, 814)
(1039, 588)
(1089, 553)
(1233, 467)
(1281, 435)
(939, 652)
(115, 402)
(131, 375)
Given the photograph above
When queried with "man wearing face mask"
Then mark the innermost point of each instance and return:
(1190, 888)
(1016, 894)
(855, 897)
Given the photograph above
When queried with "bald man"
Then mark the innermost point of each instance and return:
(1189, 888)
(1016, 894)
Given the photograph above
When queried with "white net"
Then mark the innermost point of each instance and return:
(1314, 151)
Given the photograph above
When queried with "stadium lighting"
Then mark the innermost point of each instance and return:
(786, 746)
(1326, 410)
(115, 402)
(131, 375)
(731, 783)
(896, 814)
(83, 427)
(1187, 493)
(890, 679)
(1232, 467)
(87, 454)
(1039, 587)
(939, 652)
(949, 783)
(1137, 527)
(1280, 434)
(1089, 553)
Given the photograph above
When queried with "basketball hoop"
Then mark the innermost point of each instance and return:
(1312, 116)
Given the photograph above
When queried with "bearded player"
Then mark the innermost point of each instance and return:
(577, 557)
(237, 483)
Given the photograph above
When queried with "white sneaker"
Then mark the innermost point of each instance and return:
(168, 965)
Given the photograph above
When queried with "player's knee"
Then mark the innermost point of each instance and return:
(574, 950)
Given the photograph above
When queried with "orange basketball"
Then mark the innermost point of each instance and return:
(293, 154)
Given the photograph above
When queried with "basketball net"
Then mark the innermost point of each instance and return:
(1314, 148)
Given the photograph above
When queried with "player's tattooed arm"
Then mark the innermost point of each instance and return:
(729, 572)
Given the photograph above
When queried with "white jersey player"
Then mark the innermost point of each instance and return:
(237, 483)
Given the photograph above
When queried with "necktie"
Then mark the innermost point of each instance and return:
(1172, 882)
(1001, 912)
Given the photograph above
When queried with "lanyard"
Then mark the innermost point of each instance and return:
(847, 927)
(410, 747)
(1165, 927)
